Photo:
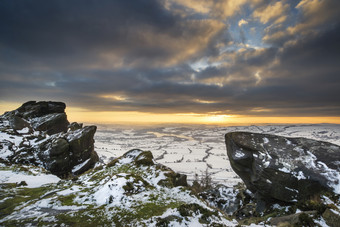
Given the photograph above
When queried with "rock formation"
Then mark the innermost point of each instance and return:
(42, 116)
(285, 169)
(39, 133)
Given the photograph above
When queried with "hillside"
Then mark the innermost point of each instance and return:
(53, 173)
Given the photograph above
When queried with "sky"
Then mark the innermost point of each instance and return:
(174, 61)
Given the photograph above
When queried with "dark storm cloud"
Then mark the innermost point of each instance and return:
(58, 33)
(307, 76)
(88, 53)
(61, 27)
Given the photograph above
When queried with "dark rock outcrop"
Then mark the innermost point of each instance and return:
(41, 116)
(75, 125)
(51, 123)
(17, 123)
(227, 199)
(34, 109)
(46, 141)
(286, 169)
(71, 153)
(81, 142)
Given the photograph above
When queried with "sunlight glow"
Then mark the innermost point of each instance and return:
(213, 118)
(217, 118)
(205, 101)
(114, 97)
(260, 109)
(258, 77)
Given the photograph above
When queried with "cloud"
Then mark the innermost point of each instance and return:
(314, 16)
(173, 56)
(109, 33)
(242, 22)
(316, 13)
(218, 9)
(275, 13)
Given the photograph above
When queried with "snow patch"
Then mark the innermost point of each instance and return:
(111, 192)
(299, 175)
(239, 154)
(79, 166)
(24, 130)
(32, 181)
(265, 140)
(69, 191)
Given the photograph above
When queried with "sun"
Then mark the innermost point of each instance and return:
(217, 118)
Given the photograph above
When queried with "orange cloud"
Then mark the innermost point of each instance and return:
(194, 38)
(219, 9)
(275, 12)
(315, 13)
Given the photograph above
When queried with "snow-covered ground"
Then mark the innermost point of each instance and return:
(194, 149)
(32, 181)
(186, 149)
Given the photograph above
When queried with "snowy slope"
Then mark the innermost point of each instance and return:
(123, 193)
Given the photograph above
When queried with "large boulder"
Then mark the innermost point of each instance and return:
(286, 169)
(37, 134)
(49, 117)
(33, 109)
(55, 156)
(51, 123)
(75, 125)
(81, 144)
(17, 123)
(71, 153)
(63, 154)
(226, 199)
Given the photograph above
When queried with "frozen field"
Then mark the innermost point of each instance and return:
(193, 149)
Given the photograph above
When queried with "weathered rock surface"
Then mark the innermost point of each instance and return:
(332, 217)
(34, 109)
(41, 116)
(17, 123)
(75, 125)
(51, 123)
(227, 199)
(69, 153)
(286, 169)
(37, 133)
(290, 220)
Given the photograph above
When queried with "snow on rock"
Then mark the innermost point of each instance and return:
(79, 166)
(130, 156)
(111, 192)
(24, 130)
(36, 133)
(265, 140)
(283, 164)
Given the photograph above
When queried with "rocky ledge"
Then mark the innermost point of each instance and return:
(38, 133)
(286, 169)
(296, 173)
